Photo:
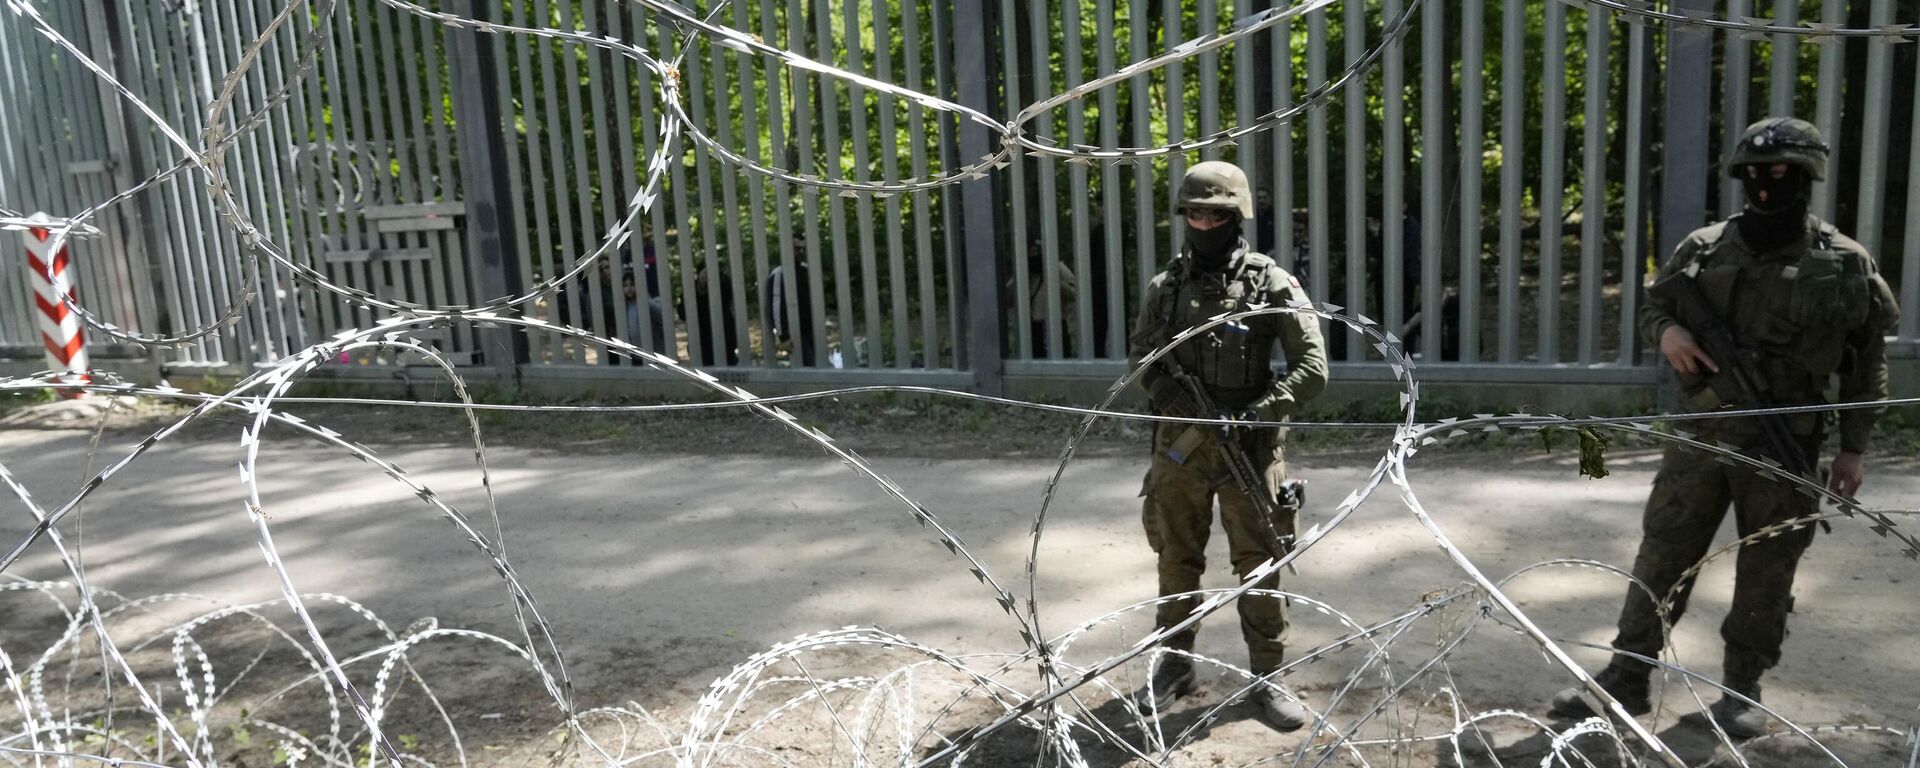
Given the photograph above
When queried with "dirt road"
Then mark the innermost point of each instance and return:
(660, 572)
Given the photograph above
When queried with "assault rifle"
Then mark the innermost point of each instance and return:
(1739, 385)
(1246, 474)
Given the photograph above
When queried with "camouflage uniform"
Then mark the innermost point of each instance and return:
(1234, 364)
(1806, 311)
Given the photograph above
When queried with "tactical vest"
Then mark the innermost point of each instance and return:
(1234, 360)
(1791, 313)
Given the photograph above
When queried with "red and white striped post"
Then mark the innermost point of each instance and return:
(59, 327)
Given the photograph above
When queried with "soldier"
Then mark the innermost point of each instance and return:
(1232, 363)
(1805, 303)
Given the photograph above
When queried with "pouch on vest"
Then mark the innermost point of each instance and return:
(1828, 292)
(1183, 447)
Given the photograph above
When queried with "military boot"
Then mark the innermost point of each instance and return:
(1280, 712)
(1628, 685)
(1739, 719)
(1172, 680)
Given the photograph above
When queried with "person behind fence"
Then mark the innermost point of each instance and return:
(1226, 371)
(1036, 262)
(728, 336)
(783, 319)
(1759, 310)
(655, 322)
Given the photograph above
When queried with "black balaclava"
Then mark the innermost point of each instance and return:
(1212, 248)
(1781, 217)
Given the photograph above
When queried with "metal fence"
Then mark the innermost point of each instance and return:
(1484, 181)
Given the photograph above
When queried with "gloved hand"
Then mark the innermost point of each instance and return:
(1275, 406)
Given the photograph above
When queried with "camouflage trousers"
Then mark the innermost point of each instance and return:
(1178, 516)
(1690, 498)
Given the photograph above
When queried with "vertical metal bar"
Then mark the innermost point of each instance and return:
(341, 151)
(585, 306)
(419, 65)
(1209, 19)
(246, 180)
(680, 260)
(1245, 112)
(113, 47)
(971, 44)
(897, 292)
(441, 178)
(1017, 177)
(1909, 290)
(1631, 267)
(953, 243)
(1354, 39)
(1783, 79)
(1433, 198)
(1043, 129)
(603, 293)
(809, 207)
(275, 217)
(1473, 168)
(1110, 294)
(1145, 213)
(861, 139)
(402, 89)
(1683, 180)
(734, 258)
(1082, 320)
(209, 42)
(1552, 182)
(483, 153)
(790, 276)
(1319, 236)
(305, 230)
(179, 222)
(834, 151)
(713, 343)
(756, 189)
(219, 290)
(1737, 58)
(559, 224)
(16, 324)
(260, 189)
(519, 129)
(1871, 209)
(1593, 186)
(651, 141)
(1174, 28)
(924, 257)
(1513, 153)
(1282, 73)
(1833, 54)
(1393, 155)
(170, 221)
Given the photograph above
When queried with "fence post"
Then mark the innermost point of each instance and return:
(1683, 163)
(970, 52)
(489, 200)
(127, 162)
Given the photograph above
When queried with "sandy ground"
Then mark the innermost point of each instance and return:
(660, 572)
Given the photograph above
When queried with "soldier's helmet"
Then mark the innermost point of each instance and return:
(1214, 184)
(1787, 140)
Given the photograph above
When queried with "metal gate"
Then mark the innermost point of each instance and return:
(1487, 158)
